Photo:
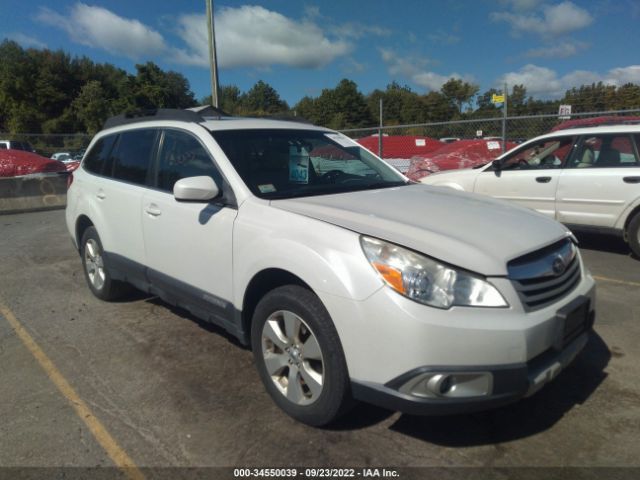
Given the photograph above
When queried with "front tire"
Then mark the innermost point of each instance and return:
(95, 269)
(633, 235)
(299, 357)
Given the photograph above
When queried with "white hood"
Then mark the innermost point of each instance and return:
(471, 231)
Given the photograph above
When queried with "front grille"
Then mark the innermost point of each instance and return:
(547, 275)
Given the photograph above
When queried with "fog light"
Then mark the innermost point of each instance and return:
(449, 385)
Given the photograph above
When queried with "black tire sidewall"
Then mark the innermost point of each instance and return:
(335, 396)
(632, 235)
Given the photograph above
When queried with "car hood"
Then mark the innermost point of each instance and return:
(475, 232)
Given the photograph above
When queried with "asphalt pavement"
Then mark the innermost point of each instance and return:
(170, 391)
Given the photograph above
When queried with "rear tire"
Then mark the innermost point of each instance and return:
(299, 356)
(633, 235)
(96, 271)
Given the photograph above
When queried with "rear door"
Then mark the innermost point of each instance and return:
(529, 176)
(188, 244)
(600, 181)
(118, 197)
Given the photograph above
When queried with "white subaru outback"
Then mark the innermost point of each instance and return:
(347, 280)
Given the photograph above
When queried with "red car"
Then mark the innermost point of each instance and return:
(460, 154)
(401, 146)
(595, 121)
(14, 163)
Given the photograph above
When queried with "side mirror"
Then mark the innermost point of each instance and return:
(497, 165)
(200, 189)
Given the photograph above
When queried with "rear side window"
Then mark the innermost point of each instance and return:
(183, 156)
(133, 155)
(605, 151)
(98, 155)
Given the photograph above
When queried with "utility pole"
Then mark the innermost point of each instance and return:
(504, 120)
(213, 60)
(380, 131)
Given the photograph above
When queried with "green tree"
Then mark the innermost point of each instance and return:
(154, 88)
(92, 106)
(262, 99)
(458, 92)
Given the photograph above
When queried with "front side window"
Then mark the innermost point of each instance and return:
(545, 154)
(605, 151)
(183, 156)
(96, 158)
(295, 163)
(133, 155)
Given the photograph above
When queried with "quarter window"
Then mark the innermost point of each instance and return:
(605, 151)
(183, 156)
(133, 155)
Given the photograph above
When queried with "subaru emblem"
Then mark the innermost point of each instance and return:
(558, 265)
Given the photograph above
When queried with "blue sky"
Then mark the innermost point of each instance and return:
(301, 47)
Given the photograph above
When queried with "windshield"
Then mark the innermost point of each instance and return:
(296, 163)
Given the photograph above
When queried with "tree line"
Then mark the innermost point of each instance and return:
(44, 91)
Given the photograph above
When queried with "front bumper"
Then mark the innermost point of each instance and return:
(509, 352)
(509, 383)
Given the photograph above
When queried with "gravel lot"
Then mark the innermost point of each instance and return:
(172, 391)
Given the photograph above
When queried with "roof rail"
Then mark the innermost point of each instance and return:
(137, 116)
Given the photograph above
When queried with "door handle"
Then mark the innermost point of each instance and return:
(101, 195)
(153, 210)
(543, 179)
(631, 179)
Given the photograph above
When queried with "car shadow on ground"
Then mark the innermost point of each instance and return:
(522, 419)
(603, 242)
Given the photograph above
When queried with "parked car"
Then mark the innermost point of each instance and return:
(62, 156)
(18, 162)
(14, 145)
(586, 178)
(456, 155)
(347, 280)
(596, 121)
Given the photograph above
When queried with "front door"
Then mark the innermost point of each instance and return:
(528, 176)
(188, 244)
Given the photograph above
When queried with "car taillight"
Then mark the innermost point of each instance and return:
(69, 180)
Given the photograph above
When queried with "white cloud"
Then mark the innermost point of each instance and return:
(252, 36)
(100, 28)
(620, 76)
(26, 40)
(546, 83)
(414, 69)
(557, 50)
(443, 38)
(556, 20)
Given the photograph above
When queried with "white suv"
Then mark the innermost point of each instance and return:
(587, 178)
(346, 280)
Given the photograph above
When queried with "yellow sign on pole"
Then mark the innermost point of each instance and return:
(497, 98)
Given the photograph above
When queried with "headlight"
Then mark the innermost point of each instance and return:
(427, 281)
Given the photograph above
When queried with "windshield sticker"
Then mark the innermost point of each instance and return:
(298, 164)
(267, 188)
(493, 145)
(341, 140)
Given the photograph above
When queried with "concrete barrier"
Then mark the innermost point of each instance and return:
(31, 193)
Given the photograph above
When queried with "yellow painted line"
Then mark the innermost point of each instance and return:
(115, 452)
(614, 280)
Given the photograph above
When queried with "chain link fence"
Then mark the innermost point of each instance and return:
(403, 141)
(414, 140)
(48, 144)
